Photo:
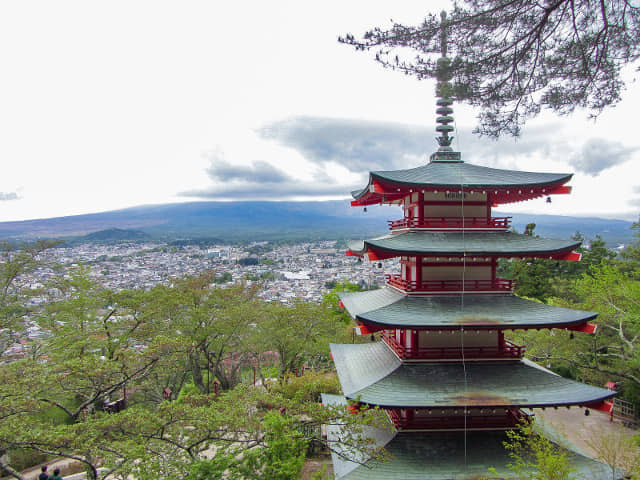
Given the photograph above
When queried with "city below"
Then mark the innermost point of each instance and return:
(304, 271)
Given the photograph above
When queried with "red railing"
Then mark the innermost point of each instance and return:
(495, 223)
(511, 418)
(507, 350)
(435, 286)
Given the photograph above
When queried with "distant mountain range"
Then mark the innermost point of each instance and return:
(237, 221)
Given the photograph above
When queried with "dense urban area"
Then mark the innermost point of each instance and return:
(285, 273)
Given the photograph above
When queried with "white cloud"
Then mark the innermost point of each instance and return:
(111, 105)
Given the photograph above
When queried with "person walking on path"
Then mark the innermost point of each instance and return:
(43, 475)
(56, 475)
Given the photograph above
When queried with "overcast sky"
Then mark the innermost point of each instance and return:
(105, 105)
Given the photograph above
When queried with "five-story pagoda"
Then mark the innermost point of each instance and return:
(443, 371)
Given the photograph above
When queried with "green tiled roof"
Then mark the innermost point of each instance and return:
(455, 455)
(387, 307)
(471, 243)
(372, 373)
(436, 455)
(363, 365)
(456, 174)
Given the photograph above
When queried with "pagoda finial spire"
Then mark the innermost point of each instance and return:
(444, 92)
(443, 33)
(444, 89)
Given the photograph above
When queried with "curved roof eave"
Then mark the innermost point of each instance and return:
(386, 307)
(562, 179)
(458, 243)
(467, 174)
(460, 174)
(376, 377)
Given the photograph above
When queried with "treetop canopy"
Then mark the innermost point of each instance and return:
(512, 58)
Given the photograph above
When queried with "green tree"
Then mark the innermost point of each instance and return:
(244, 433)
(533, 277)
(283, 454)
(99, 348)
(613, 353)
(104, 346)
(298, 333)
(616, 298)
(617, 450)
(514, 58)
(16, 262)
(332, 297)
(595, 254)
(630, 262)
(534, 457)
(214, 325)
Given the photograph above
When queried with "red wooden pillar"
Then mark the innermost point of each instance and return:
(501, 340)
(409, 421)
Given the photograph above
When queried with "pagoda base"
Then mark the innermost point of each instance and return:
(439, 455)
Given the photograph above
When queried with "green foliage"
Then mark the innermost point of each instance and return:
(214, 324)
(619, 451)
(189, 388)
(332, 298)
(321, 474)
(534, 457)
(298, 333)
(203, 469)
(135, 346)
(543, 279)
(23, 459)
(616, 297)
(157, 353)
(226, 277)
(283, 453)
(533, 278)
(614, 352)
(16, 261)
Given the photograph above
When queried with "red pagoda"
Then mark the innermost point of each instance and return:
(443, 371)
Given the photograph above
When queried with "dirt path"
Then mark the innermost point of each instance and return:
(579, 428)
(314, 465)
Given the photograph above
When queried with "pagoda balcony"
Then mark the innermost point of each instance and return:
(506, 351)
(449, 286)
(478, 421)
(452, 223)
